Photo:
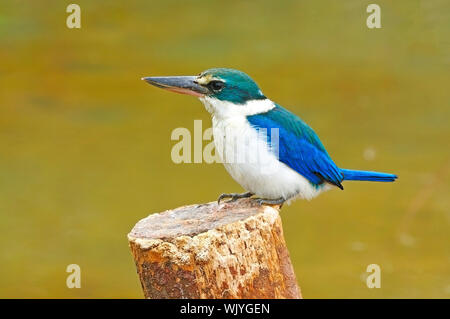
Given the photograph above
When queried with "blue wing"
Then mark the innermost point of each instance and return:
(299, 147)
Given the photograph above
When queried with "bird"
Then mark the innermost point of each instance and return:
(271, 152)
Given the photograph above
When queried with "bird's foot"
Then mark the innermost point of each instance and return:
(234, 196)
(279, 201)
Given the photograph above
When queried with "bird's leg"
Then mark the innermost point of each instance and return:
(279, 201)
(234, 196)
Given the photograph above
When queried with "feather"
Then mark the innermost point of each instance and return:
(298, 146)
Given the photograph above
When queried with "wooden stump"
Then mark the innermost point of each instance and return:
(231, 250)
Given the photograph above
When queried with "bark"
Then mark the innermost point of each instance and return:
(231, 250)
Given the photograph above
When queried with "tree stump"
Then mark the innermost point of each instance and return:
(232, 250)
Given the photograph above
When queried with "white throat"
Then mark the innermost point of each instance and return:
(224, 109)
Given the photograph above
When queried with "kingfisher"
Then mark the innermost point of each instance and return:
(267, 149)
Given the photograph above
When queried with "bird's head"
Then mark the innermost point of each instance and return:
(221, 90)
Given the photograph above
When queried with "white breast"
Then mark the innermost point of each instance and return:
(249, 159)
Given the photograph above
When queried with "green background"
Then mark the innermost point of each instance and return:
(85, 145)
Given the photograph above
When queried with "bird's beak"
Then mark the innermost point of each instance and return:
(178, 84)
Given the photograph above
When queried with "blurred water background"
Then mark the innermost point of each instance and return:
(85, 144)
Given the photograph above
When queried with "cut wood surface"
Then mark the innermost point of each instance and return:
(232, 250)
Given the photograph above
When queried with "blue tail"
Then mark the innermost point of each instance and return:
(351, 175)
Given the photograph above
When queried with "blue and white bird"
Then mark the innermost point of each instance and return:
(267, 149)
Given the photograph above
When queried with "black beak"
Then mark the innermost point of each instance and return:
(178, 84)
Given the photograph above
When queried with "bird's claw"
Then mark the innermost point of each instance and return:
(262, 201)
(233, 196)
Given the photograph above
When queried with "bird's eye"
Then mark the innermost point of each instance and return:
(216, 85)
